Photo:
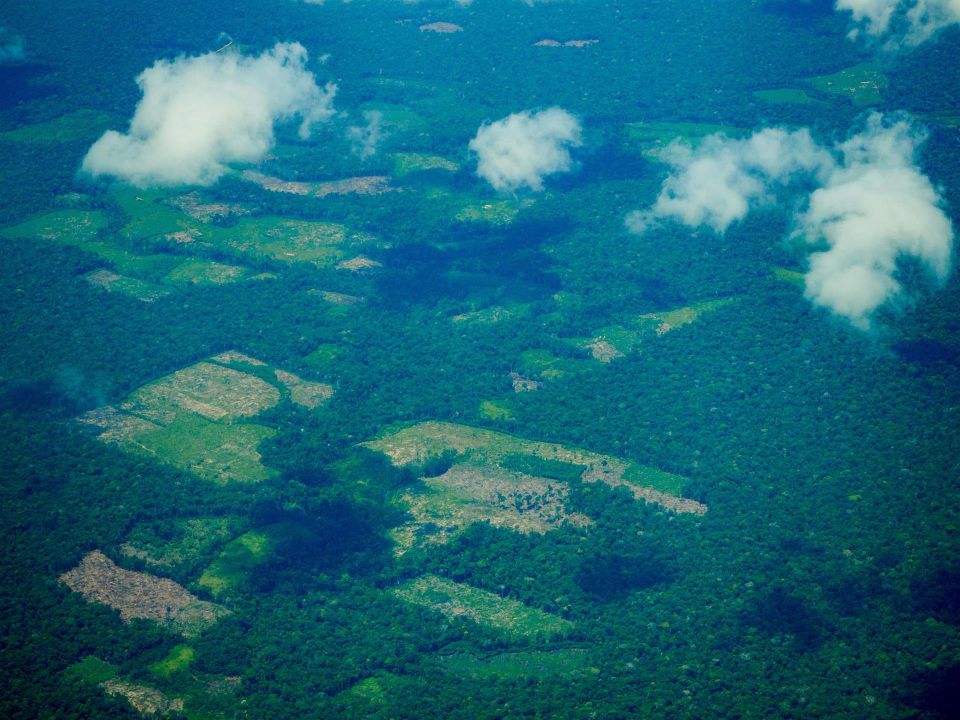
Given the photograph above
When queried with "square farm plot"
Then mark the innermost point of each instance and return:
(202, 419)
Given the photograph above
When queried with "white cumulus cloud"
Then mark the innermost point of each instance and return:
(522, 149)
(901, 22)
(201, 113)
(717, 183)
(366, 138)
(875, 208)
(871, 206)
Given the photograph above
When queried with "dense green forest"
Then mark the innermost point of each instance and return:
(401, 473)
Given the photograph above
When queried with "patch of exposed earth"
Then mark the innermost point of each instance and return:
(137, 595)
(441, 27)
(548, 42)
(143, 698)
(359, 264)
(195, 206)
(523, 384)
(469, 493)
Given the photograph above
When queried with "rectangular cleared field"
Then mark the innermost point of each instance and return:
(200, 418)
(456, 600)
(416, 444)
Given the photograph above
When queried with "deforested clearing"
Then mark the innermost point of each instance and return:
(469, 493)
(137, 595)
(457, 600)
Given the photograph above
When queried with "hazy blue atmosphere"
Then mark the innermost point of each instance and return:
(480, 359)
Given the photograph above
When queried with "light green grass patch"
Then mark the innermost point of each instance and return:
(197, 271)
(538, 664)
(153, 216)
(233, 565)
(496, 411)
(212, 451)
(668, 320)
(318, 243)
(494, 212)
(548, 366)
(793, 277)
(947, 119)
(398, 118)
(456, 600)
(149, 217)
(862, 84)
(92, 670)
(492, 315)
(175, 543)
(611, 342)
(76, 126)
(407, 163)
(179, 658)
(371, 697)
(124, 262)
(416, 444)
(324, 356)
(651, 138)
(786, 96)
(72, 227)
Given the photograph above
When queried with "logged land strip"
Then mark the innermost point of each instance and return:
(137, 595)
(418, 443)
(456, 600)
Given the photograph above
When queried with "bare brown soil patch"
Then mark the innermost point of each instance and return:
(137, 595)
(142, 698)
(603, 351)
(548, 42)
(302, 392)
(370, 185)
(194, 206)
(335, 298)
(522, 384)
(276, 184)
(359, 263)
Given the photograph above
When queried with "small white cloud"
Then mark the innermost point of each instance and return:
(872, 206)
(11, 46)
(200, 114)
(717, 183)
(366, 138)
(522, 149)
(901, 22)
